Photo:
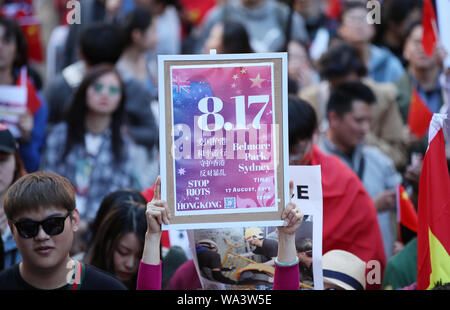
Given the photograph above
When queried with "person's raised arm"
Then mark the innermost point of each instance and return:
(157, 213)
(149, 274)
(286, 265)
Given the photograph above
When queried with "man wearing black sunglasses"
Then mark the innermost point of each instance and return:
(42, 217)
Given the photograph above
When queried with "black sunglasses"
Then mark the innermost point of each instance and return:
(52, 226)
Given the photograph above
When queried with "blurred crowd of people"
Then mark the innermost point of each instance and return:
(92, 117)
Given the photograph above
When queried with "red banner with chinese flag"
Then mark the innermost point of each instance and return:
(433, 237)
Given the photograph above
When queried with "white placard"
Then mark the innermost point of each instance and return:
(13, 103)
(320, 44)
(241, 263)
(443, 11)
(308, 196)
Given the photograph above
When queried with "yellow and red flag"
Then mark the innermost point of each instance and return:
(433, 237)
(429, 24)
(406, 216)
(419, 115)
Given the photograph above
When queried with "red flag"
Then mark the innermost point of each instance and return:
(433, 237)
(429, 25)
(334, 9)
(33, 37)
(419, 115)
(406, 213)
(197, 10)
(33, 101)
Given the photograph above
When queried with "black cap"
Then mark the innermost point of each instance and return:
(7, 141)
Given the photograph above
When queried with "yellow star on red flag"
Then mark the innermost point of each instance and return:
(257, 81)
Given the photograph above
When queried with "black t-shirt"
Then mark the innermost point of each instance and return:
(92, 278)
(269, 249)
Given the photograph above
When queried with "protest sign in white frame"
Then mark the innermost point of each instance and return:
(195, 199)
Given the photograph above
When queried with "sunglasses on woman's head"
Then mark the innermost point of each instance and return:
(112, 90)
(52, 226)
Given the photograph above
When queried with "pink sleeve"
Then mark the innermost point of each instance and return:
(149, 277)
(286, 278)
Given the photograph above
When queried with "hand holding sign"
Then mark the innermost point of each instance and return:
(157, 211)
(25, 125)
(291, 215)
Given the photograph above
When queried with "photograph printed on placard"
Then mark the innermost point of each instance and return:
(244, 258)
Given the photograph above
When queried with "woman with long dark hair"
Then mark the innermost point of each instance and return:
(83, 241)
(228, 38)
(112, 200)
(91, 148)
(118, 244)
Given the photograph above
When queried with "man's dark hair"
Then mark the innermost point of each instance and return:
(410, 28)
(292, 86)
(340, 60)
(302, 120)
(100, 43)
(394, 13)
(138, 19)
(39, 190)
(235, 38)
(344, 94)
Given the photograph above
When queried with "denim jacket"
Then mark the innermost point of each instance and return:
(12, 254)
(105, 175)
